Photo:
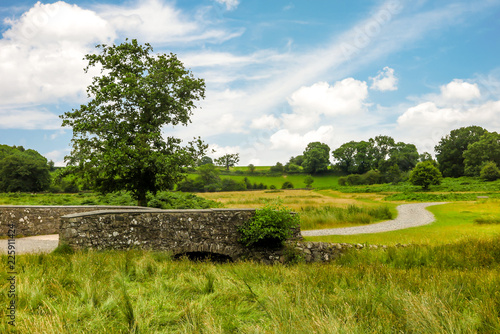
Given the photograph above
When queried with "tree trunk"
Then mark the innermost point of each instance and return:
(142, 200)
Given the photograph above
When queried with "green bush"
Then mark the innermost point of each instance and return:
(490, 172)
(270, 226)
(287, 185)
(425, 174)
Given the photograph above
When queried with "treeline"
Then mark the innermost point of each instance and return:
(23, 170)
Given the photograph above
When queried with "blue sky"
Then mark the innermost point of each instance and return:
(279, 74)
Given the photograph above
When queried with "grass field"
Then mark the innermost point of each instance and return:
(454, 221)
(454, 289)
(318, 209)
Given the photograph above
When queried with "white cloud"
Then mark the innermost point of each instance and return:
(57, 156)
(344, 97)
(265, 122)
(222, 150)
(158, 22)
(41, 54)
(28, 119)
(460, 91)
(285, 140)
(385, 80)
(230, 4)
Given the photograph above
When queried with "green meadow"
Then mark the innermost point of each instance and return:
(446, 278)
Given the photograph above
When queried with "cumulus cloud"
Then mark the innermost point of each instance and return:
(230, 4)
(460, 91)
(385, 80)
(344, 97)
(41, 53)
(286, 140)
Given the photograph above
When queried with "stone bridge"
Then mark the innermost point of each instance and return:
(213, 231)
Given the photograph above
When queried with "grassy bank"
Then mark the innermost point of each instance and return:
(441, 289)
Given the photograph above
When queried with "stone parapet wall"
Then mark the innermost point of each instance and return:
(43, 219)
(177, 231)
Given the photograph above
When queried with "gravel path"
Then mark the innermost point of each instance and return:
(409, 215)
(36, 244)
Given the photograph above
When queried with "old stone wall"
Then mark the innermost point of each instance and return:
(41, 219)
(178, 231)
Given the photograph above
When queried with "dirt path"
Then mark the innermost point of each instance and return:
(409, 215)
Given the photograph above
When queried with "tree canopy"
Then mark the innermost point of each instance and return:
(228, 160)
(23, 170)
(486, 149)
(451, 148)
(117, 141)
(316, 158)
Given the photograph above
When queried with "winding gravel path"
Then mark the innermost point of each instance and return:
(409, 215)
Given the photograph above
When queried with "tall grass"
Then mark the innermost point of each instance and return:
(440, 289)
(331, 217)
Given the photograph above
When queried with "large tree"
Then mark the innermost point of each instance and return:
(486, 149)
(316, 158)
(117, 136)
(451, 148)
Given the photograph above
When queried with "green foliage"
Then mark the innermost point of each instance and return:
(278, 168)
(178, 200)
(287, 185)
(118, 142)
(251, 168)
(490, 172)
(270, 226)
(316, 158)
(425, 174)
(308, 181)
(228, 160)
(451, 148)
(205, 160)
(380, 153)
(23, 170)
(487, 148)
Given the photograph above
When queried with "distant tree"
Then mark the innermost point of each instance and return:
(209, 174)
(23, 170)
(298, 160)
(425, 174)
(487, 148)
(451, 148)
(393, 174)
(287, 185)
(402, 154)
(251, 168)
(205, 161)
(345, 157)
(278, 168)
(292, 168)
(316, 158)
(118, 136)
(228, 160)
(308, 181)
(490, 171)
(381, 147)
